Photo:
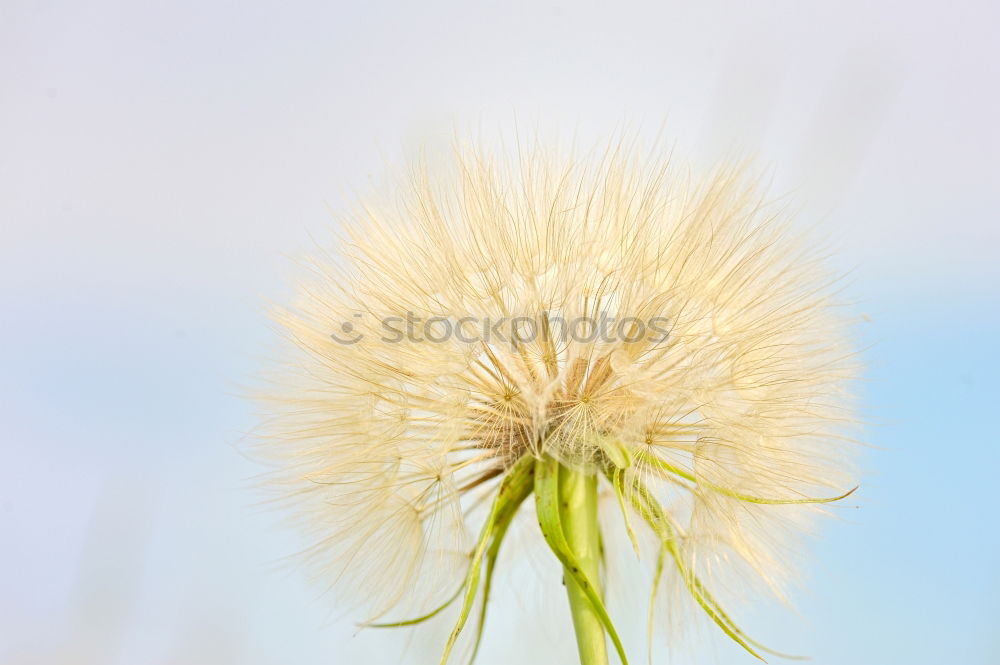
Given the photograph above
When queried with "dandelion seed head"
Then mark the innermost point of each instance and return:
(742, 394)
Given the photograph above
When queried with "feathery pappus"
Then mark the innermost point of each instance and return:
(556, 326)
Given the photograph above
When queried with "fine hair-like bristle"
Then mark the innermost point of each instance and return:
(732, 405)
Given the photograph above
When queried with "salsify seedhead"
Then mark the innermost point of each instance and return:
(600, 332)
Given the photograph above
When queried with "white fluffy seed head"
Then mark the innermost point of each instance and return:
(727, 381)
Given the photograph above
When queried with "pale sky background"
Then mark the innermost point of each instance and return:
(159, 161)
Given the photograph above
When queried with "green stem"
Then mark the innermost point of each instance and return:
(578, 513)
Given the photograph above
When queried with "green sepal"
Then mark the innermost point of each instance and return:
(658, 575)
(547, 506)
(725, 491)
(412, 622)
(617, 481)
(521, 483)
(507, 490)
(647, 506)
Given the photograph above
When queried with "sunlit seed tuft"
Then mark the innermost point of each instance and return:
(718, 438)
